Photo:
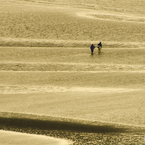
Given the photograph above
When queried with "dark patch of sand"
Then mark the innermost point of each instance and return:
(81, 132)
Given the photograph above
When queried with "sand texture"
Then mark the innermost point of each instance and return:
(47, 71)
(13, 138)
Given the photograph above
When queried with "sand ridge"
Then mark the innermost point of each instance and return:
(112, 17)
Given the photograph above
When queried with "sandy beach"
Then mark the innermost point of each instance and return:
(47, 72)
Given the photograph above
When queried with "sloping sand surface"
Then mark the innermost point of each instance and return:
(15, 138)
(54, 81)
(46, 67)
(124, 108)
(60, 21)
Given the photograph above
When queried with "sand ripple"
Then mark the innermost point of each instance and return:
(112, 17)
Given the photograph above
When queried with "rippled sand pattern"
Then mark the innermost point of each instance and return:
(46, 67)
(69, 82)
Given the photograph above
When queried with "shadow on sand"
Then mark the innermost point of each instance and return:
(38, 124)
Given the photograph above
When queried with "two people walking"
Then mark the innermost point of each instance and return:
(92, 47)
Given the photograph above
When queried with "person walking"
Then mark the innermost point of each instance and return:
(92, 48)
(99, 47)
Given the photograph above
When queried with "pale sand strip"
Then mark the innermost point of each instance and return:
(15, 138)
(24, 89)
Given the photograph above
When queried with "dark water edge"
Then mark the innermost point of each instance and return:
(79, 132)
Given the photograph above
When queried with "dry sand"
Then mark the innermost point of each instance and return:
(43, 24)
(13, 138)
(63, 75)
(58, 77)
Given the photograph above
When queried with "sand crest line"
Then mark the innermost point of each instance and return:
(20, 43)
(70, 63)
(136, 67)
(47, 89)
(107, 71)
(111, 17)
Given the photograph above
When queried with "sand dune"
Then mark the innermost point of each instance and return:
(46, 67)
(36, 21)
(122, 107)
(72, 73)
(72, 59)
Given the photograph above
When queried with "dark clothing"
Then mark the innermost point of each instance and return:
(92, 48)
(100, 45)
